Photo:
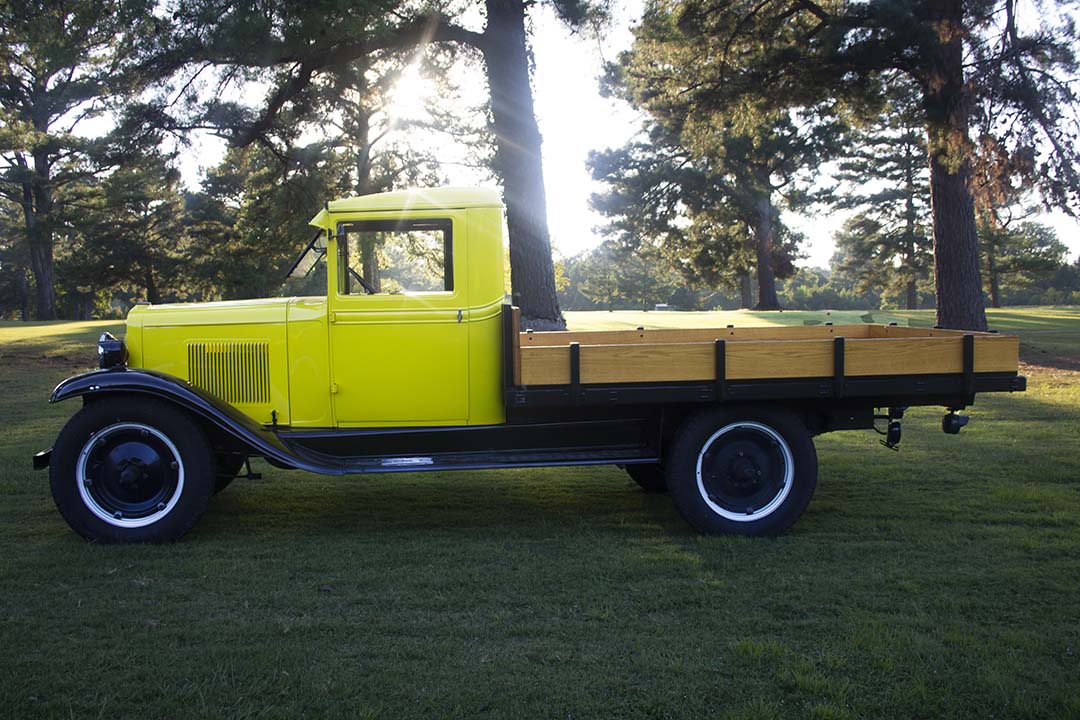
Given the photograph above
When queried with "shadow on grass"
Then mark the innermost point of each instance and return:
(536, 501)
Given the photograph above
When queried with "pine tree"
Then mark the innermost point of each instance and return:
(60, 64)
(249, 221)
(723, 177)
(126, 234)
(1018, 257)
(962, 54)
(886, 245)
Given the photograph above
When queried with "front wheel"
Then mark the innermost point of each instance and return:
(742, 471)
(131, 470)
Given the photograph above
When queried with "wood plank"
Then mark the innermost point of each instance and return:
(545, 366)
(997, 353)
(894, 331)
(927, 356)
(762, 360)
(678, 362)
(685, 335)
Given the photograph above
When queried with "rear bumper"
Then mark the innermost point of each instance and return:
(41, 459)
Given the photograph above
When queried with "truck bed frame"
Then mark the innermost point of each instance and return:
(830, 367)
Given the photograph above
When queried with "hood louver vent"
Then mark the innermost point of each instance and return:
(237, 371)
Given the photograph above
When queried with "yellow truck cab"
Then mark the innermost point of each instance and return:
(422, 348)
(413, 361)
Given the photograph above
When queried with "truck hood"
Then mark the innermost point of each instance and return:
(226, 312)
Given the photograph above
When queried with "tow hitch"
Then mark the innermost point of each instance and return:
(951, 423)
(893, 431)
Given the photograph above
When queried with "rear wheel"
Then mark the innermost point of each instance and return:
(742, 471)
(650, 476)
(131, 470)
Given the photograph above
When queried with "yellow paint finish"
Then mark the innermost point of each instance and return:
(419, 199)
(485, 267)
(133, 336)
(484, 315)
(165, 349)
(485, 364)
(372, 360)
(403, 358)
(392, 370)
(226, 312)
(309, 364)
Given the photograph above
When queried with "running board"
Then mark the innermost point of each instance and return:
(478, 460)
(594, 442)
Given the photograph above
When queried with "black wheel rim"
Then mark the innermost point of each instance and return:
(129, 474)
(745, 471)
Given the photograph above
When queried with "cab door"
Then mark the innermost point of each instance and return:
(398, 344)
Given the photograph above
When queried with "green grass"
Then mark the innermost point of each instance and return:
(941, 581)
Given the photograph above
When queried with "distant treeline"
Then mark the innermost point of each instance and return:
(1031, 269)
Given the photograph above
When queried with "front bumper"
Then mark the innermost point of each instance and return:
(41, 459)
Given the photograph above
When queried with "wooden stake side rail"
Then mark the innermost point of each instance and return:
(652, 356)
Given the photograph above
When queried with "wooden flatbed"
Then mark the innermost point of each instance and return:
(763, 353)
(878, 365)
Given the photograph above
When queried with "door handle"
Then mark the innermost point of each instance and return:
(459, 315)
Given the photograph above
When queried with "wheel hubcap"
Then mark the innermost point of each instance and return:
(129, 475)
(745, 471)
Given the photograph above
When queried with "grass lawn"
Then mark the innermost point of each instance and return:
(940, 581)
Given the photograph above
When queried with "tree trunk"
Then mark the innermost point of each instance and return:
(746, 292)
(910, 261)
(153, 296)
(518, 164)
(41, 236)
(363, 155)
(764, 235)
(369, 259)
(22, 291)
(39, 242)
(84, 307)
(956, 243)
(995, 276)
(41, 263)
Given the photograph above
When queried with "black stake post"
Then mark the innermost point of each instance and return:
(969, 365)
(721, 370)
(838, 366)
(575, 371)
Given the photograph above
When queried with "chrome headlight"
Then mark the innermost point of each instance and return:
(111, 352)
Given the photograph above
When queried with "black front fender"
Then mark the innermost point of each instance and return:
(99, 384)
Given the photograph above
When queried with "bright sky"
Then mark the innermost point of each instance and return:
(574, 119)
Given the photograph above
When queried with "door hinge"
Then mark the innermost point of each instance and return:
(333, 388)
(332, 317)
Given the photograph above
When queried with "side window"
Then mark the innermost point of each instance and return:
(406, 256)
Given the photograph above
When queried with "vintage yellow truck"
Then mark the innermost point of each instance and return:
(412, 360)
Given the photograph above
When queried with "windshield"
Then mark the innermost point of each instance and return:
(309, 258)
(308, 274)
